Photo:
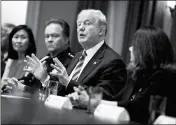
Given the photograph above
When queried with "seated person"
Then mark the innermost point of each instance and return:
(97, 65)
(21, 43)
(57, 43)
(151, 72)
(5, 31)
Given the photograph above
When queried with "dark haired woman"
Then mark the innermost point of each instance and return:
(21, 43)
(150, 72)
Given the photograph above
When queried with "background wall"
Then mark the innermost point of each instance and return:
(116, 18)
(13, 12)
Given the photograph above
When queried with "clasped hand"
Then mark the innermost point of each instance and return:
(11, 84)
(80, 96)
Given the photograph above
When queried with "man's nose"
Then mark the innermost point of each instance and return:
(81, 27)
(50, 39)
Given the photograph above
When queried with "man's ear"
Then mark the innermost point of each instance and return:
(102, 30)
(66, 40)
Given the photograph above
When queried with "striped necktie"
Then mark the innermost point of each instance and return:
(79, 66)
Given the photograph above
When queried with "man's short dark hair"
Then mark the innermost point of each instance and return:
(62, 23)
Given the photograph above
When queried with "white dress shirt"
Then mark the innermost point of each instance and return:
(90, 53)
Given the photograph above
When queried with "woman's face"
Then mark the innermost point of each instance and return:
(20, 41)
(131, 54)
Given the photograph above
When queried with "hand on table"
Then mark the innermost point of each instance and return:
(12, 84)
(80, 96)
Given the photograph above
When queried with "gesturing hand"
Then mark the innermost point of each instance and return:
(60, 72)
(36, 67)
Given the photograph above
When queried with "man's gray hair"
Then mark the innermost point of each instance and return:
(98, 15)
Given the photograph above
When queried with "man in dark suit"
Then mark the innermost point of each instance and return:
(97, 65)
(57, 43)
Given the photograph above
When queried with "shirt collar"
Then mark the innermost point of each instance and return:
(94, 49)
(62, 53)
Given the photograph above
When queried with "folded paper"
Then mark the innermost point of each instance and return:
(113, 103)
(58, 102)
(111, 113)
(165, 120)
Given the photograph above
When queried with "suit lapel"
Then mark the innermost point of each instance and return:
(73, 63)
(93, 63)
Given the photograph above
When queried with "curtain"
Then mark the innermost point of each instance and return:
(173, 32)
(140, 13)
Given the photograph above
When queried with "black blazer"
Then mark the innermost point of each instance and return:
(136, 94)
(106, 69)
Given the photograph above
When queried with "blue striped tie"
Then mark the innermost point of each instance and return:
(78, 66)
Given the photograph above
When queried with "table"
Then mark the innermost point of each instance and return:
(22, 111)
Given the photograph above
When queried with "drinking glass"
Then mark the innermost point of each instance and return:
(157, 107)
(43, 93)
(53, 87)
(95, 97)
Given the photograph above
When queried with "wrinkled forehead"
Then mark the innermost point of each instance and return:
(54, 28)
(83, 16)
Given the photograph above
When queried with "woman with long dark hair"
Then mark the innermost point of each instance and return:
(21, 43)
(150, 72)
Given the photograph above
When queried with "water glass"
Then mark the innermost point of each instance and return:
(43, 94)
(53, 87)
(157, 107)
(95, 97)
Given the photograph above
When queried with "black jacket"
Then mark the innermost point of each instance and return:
(32, 83)
(106, 70)
(135, 95)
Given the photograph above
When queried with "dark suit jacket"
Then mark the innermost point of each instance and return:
(106, 70)
(135, 96)
(32, 84)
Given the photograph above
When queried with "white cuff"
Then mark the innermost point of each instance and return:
(68, 81)
(45, 83)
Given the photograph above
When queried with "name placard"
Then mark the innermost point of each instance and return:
(113, 103)
(111, 113)
(162, 119)
(58, 102)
